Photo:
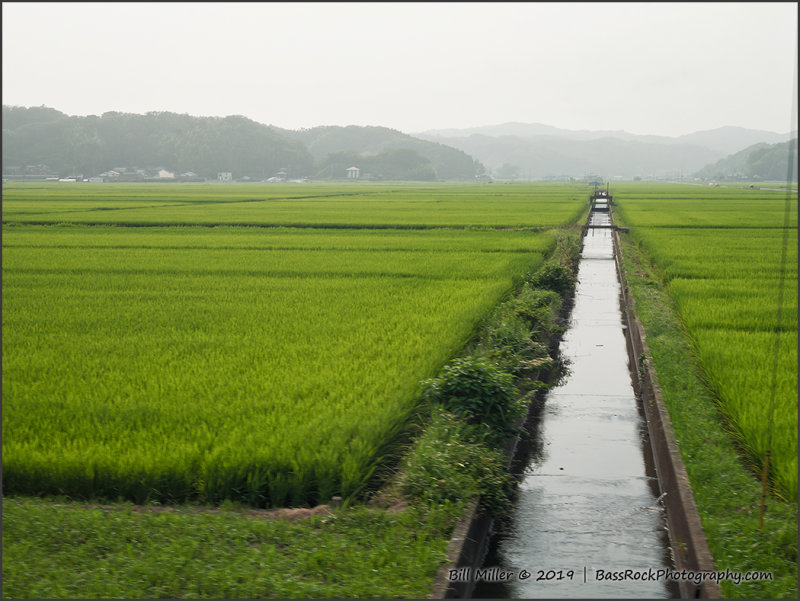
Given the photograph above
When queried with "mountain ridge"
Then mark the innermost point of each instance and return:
(727, 139)
(42, 137)
(535, 150)
(207, 145)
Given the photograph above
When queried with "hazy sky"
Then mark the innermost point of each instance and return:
(647, 68)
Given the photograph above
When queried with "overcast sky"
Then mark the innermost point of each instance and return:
(647, 68)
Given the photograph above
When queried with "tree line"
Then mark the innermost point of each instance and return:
(770, 162)
(180, 143)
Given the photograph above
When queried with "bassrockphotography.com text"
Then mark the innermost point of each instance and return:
(584, 574)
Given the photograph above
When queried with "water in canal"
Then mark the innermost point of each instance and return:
(588, 500)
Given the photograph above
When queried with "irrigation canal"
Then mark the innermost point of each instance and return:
(588, 499)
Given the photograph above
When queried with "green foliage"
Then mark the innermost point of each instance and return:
(511, 333)
(774, 162)
(657, 206)
(392, 164)
(537, 306)
(479, 391)
(263, 365)
(91, 145)
(568, 245)
(510, 346)
(366, 147)
(207, 373)
(476, 403)
(759, 161)
(517, 336)
(555, 276)
(451, 463)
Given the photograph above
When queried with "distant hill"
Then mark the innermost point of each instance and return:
(759, 161)
(179, 143)
(546, 156)
(373, 146)
(733, 139)
(534, 150)
(534, 130)
(49, 141)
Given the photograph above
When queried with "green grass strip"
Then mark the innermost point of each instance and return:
(726, 490)
(65, 550)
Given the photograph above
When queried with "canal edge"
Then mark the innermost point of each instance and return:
(688, 543)
(472, 534)
(687, 538)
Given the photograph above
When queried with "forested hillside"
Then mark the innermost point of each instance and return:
(381, 150)
(759, 161)
(179, 143)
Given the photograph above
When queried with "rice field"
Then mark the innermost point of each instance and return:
(720, 254)
(320, 205)
(273, 366)
(676, 205)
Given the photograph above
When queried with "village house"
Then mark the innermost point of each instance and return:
(190, 176)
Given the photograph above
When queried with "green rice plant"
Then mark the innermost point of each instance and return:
(739, 365)
(676, 206)
(734, 281)
(321, 205)
(269, 366)
(192, 373)
(736, 304)
(724, 485)
(723, 253)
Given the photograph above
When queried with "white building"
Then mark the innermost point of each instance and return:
(225, 176)
(353, 172)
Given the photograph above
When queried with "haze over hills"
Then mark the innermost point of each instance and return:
(38, 139)
(759, 161)
(42, 140)
(333, 146)
(534, 150)
(727, 139)
(733, 139)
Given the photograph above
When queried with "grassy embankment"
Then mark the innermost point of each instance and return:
(682, 259)
(51, 548)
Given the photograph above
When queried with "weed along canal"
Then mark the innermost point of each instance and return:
(588, 507)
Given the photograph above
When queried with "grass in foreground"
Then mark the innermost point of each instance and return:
(726, 489)
(65, 550)
(389, 548)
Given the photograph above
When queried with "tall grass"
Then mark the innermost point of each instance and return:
(675, 206)
(261, 376)
(271, 366)
(725, 278)
(365, 205)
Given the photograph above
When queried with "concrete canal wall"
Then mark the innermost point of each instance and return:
(623, 471)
